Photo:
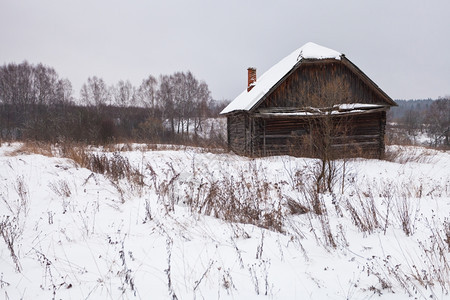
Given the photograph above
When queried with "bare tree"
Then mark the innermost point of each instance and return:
(325, 129)
(203, 101)
(15, 95)
(146, 95)
(29, 94)
(16, 84)
(94, 92)
(123, 93)
(166, 99)
(180, 99)
(187, 101)
(35, 103)
(45, 85)
(65, 92)
(438, 121)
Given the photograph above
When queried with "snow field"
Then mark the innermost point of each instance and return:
(82, 235)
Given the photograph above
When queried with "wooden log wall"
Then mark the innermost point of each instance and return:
(257, 143)
(237, 133)
(357, 135)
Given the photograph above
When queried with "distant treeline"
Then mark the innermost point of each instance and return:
(35, 103)
(425, 116)
(398, 113)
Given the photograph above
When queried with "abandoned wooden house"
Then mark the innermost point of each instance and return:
(314, 102)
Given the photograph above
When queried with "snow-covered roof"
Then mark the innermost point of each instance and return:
(246, 100)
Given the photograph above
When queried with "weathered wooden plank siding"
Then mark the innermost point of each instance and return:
(314, 84)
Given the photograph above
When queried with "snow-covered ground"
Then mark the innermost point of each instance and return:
(69, 233)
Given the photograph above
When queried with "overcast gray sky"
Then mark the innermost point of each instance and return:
(404, 46)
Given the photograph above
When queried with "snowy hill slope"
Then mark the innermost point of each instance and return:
(199, 225)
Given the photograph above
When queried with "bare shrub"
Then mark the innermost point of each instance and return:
(22, 191)
(165, 189)
(76, 152)
(387, 196)
(376, 269)
(447, 233)
(295, 207)
(227, 280)
(363, 212)
(326, 231)
(126, 273)
(49, 279)
(393, 154)
(10, 231)
(259, 274)
(405, 214)
(168, 271)
(61, 188)
(260, 248)
(430, 269)
(115, 167)
(394, 270)
(242, 199)
(313, 200)
(392, 273)
(436, 263)
(316, 205)
(12, 225)
(148, 211)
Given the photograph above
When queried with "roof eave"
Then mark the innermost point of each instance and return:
(233, 112)
(369, 82)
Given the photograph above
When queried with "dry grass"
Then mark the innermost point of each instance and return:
(34, 147)
(406, 154)
(240, 199)
(115, 167)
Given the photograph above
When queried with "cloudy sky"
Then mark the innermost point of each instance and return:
(404, 46)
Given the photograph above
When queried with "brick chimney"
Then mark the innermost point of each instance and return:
(251, 78)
